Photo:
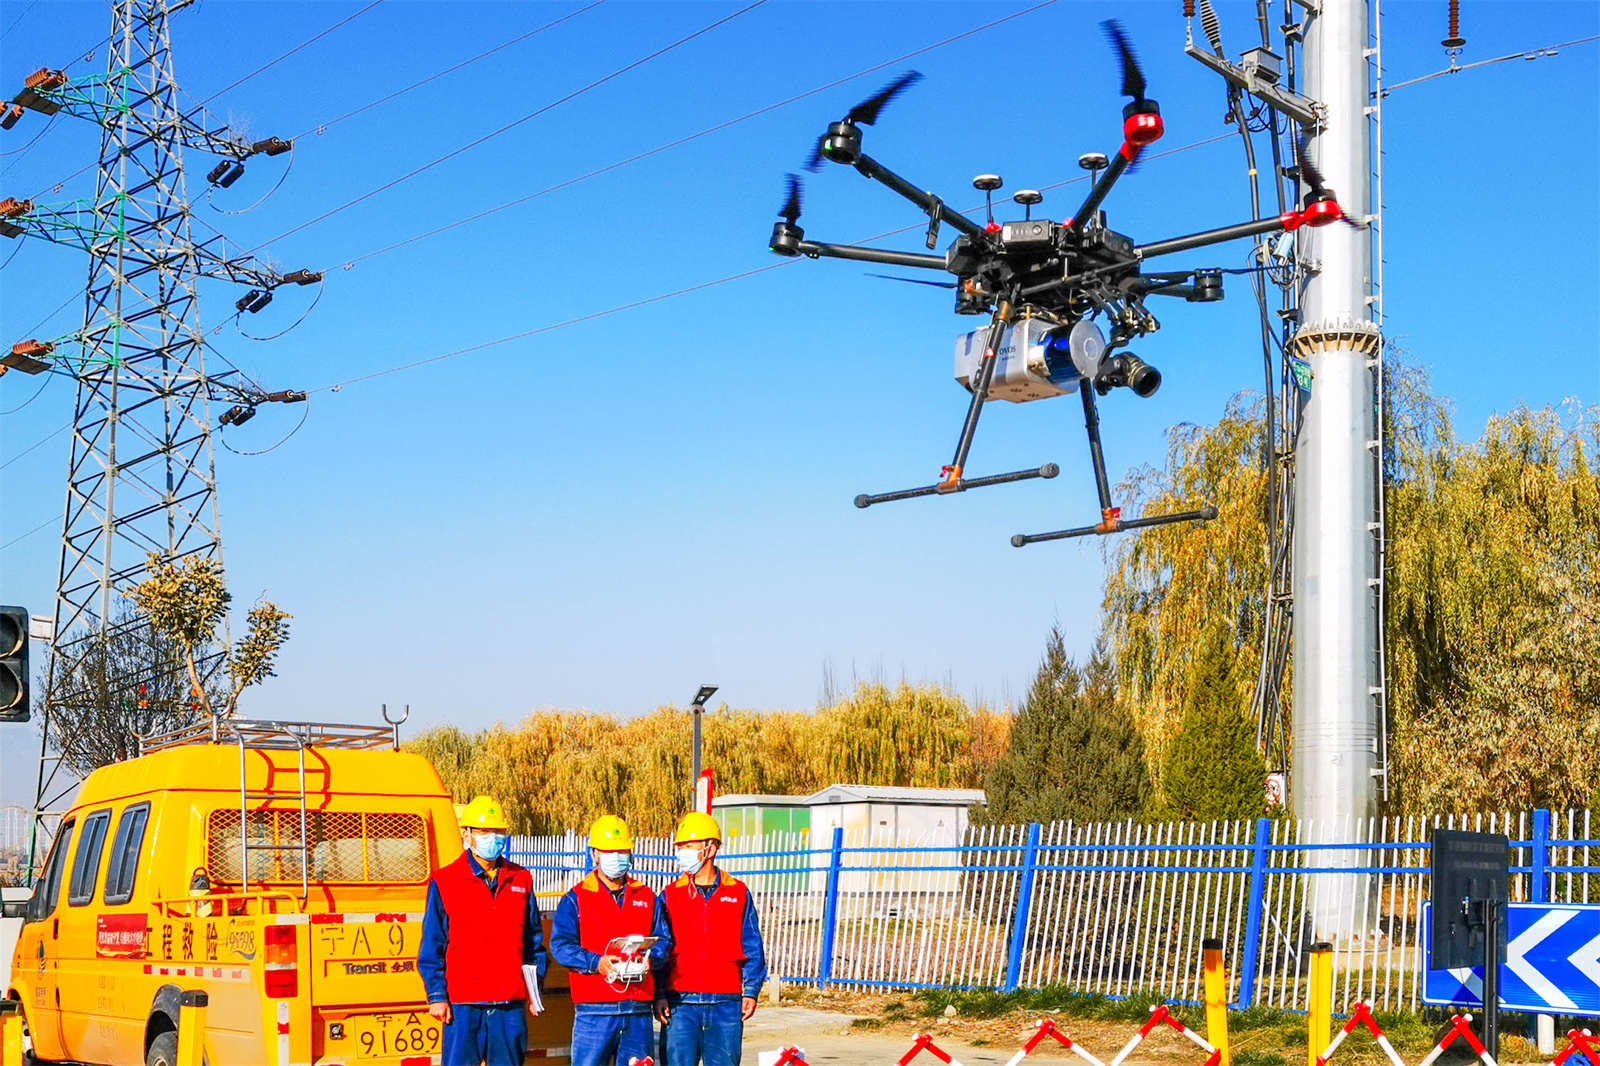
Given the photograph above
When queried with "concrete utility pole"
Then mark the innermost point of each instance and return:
(1336, 584)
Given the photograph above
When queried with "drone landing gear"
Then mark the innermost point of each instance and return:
(1111, 520)
(959, 484)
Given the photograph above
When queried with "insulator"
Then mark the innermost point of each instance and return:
(11, 207)
(271, 146)
(45, 79)
(32, 348)
(284, 396)
(10, 117)
(1188, 9)
(1455, 40)
(237, 415)
(219, 170)
(254, 300)
(234, 171)
(302, 277)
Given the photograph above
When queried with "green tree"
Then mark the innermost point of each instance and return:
(1073, 753)
(1213, 768)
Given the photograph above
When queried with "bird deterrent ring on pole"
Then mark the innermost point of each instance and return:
(1335, 735)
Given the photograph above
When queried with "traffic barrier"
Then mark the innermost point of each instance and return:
(1579, 1040)
(1216, 990)
(789, 1056)
(1360, 1015)
(646, 1061)
(10, 1033)
(924, 1042)
(192, 1028)
(1047, 1027)
(1460, 1025)
(1160, 1015)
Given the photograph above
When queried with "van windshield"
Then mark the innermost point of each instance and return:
(343, 847)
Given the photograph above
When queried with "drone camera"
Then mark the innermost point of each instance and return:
(1207, 287)
(1127, 369)
(842, 144)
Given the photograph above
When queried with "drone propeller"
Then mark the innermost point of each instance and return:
(1132, 77)
(791, 206)
(1317, 189)
(866, 112)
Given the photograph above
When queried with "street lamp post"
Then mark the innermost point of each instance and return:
(697, 707)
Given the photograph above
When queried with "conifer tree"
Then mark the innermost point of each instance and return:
(1213, 768)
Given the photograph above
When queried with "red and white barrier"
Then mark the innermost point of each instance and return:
(1360, 1015)
(924, 1042)
(1579, 1040)
(1460, 1025)
(1160, 1015)
(1047, 1028)
(788, 1056)
(646, 1061)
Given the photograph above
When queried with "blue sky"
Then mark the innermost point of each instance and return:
(607, 515)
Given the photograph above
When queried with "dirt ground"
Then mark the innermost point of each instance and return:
(858, 1029)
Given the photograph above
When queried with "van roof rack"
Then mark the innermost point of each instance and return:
(290, 736)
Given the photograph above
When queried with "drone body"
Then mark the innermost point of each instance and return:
(1045, 285)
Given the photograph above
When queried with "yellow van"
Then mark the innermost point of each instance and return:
(280, 867)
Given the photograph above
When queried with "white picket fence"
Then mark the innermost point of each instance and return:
(1108, 908)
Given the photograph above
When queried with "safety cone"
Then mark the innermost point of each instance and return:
(1579, 1040)
(1360, 1015)
(1460, 1025)
(1161, 1015)
(1047, 1028)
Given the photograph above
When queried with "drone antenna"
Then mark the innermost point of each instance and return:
(1027, 198)
(988, 183)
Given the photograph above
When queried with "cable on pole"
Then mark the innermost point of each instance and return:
(303, 44)
(1547, 52)
(512, 125)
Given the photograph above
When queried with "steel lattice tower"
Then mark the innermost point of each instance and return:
(142, 478)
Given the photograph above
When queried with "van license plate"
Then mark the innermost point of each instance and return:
(388, 1035)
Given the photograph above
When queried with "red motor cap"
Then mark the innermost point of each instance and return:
(1143, 128)
(1321, 212)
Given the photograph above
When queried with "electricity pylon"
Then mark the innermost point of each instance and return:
(142, 478)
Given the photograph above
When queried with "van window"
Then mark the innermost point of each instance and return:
(43, 901)
(86, 868)
(348, 847)
(125, 853)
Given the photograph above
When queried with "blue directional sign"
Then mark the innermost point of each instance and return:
(1552, 962)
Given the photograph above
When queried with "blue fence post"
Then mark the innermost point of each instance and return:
(1250, 950)
(1019, 920)
(830, 908)
(1539, 890)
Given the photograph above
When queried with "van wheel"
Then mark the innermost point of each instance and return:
(163, 1050)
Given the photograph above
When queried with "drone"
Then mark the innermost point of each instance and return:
(1045, 286)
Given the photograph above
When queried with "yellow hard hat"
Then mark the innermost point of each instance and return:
(610, 833)
(696, 827)
(484, 813)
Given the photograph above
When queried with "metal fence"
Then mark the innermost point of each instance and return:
(1109, 908)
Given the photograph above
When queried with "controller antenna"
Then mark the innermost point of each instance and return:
(988, 183)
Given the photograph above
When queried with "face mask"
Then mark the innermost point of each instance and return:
(615, 864)
(488, 846)
(689, 860)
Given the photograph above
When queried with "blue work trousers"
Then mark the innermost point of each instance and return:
(704, 1028)
(485, 1034)
(605, 1038)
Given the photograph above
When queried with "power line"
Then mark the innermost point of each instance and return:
(42, 525)
(696, 136)
(303, 44)
(318, 129)
(7, 32)
(38, 443)
(684, 291)
(511, 125)
(1547, 52)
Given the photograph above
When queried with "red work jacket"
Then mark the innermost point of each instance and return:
(483, 956)
(707, 945)
(600, 921)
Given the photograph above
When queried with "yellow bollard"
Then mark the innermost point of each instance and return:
(1216, 985)
(1319, 1011)
(192, 1029)
(10, 1033)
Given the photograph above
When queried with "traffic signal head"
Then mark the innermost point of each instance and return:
(13, 664)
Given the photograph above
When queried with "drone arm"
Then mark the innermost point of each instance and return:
(1217, 236)
(1091, 423)
(980, 393)
(871, 255)
(1091, 203)
(929, 203)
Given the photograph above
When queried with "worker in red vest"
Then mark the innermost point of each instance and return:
(481, 946)
(717, 965)
(612, 981)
